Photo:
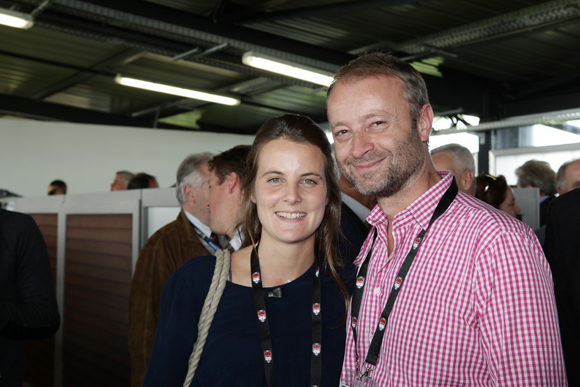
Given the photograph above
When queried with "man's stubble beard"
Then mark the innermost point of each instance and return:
(409, 156)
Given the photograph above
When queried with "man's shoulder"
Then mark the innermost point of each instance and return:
(165, 233)
(481, 217)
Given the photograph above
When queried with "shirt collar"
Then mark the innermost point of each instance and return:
(361, 211)
(236, 241)
(196, 223)
(420, 211)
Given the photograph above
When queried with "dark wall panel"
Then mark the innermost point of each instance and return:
(97, 284)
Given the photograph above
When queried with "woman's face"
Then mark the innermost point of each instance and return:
(509, 204)
(290, 191)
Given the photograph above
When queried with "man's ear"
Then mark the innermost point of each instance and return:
(425, 122)
(233, 181)
(467, 179)
(189, 193)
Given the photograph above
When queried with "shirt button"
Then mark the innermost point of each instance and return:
(377, 291)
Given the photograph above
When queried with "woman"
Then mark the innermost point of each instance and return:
(496, 192)
(291, 213)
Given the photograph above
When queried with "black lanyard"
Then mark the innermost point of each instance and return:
(264, 326)
(373, 353)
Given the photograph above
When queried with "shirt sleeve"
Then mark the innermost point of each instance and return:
(176, 334)
(34, 313)
(517, 313)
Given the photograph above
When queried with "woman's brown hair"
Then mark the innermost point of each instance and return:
(491, 189)
(299, 129)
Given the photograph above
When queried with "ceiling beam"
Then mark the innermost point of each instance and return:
(24, 107)
(106, 66)
(320, 10)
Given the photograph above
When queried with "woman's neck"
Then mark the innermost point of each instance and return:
(281, 263)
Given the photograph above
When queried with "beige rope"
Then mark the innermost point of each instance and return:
(212, 300)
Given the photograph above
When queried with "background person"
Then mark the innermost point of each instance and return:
(539, 174)
(143, 180)
(459, 160)
(121, 181)
(568, 176)
(496, 192)
(56, 187)
(291, 212)
(28, 308)
(170, 247)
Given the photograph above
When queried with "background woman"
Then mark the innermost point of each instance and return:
(496, 192)
(278, 321)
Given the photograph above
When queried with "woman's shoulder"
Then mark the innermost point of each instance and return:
(197, 272)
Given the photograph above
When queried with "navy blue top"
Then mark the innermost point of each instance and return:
(233, 355)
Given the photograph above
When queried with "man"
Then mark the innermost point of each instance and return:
(534, 173)
(459, 160)
(568, 176)
(56, 187)
(121, 181)
(143, 180)
(479, 291)
(28, 308)
(228, 169)
(187, 237)
(561, 247)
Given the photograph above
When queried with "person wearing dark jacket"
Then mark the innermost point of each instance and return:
(28, 308)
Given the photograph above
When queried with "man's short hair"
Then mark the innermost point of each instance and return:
(561, 175)
(538, 174)
(140, 181)
(188, 173)
(59, 187)
(377, 64)
(127, 176)
(458, 152)
(232, 160)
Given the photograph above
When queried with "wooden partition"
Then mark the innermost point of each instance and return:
(97, 284)
(93, 243)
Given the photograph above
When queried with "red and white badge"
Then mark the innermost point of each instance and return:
(317, 271)
(316, 349)
(398, 283)
(354, 322)
(256, 277)
(416, 243)
(268, 356)
(382, 323)
(360, 281)
(316, 309)
(262, 315)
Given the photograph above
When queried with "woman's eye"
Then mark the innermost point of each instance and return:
(309, 181)
(274, 180)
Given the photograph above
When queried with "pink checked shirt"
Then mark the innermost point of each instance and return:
(476, 309)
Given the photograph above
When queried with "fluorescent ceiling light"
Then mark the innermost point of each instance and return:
(176, 91)
(286, 68)
(15, 19)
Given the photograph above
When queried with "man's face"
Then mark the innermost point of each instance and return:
(223, 207)
(377, 149)
(118, 184)
(202, 195)
(572, 176)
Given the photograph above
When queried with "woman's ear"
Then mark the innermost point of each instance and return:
(252, 197)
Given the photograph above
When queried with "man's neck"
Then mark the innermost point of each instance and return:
(416, 186)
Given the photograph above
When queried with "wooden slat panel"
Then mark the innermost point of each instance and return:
(100, 221)
(40, 353)
(101, 247)
(97, 285)
(97, 259)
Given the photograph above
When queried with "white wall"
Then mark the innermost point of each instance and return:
(86, 157)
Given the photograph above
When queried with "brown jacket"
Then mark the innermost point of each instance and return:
(162, 255)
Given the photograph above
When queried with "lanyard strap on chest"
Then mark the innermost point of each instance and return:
(374, 350)
(264, 324)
